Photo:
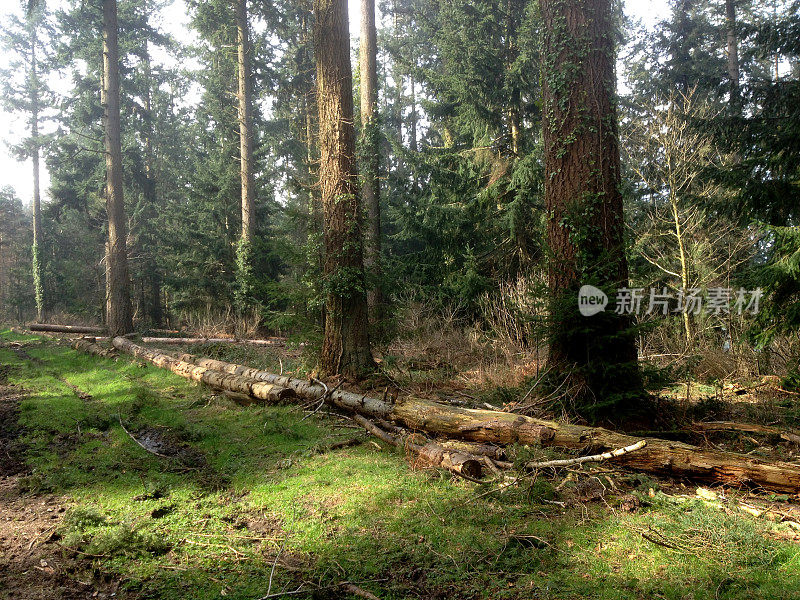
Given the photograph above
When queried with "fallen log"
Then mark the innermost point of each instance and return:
(65, 328)
(268, 392)
(92, 348)
(661, 457)
(747, 428)
(351, 401)
(190, 341)
(430, 454)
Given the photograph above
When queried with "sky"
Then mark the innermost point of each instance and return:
(174, 20)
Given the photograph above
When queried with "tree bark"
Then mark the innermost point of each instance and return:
(246, 137)
(583, 200)
(119, 317)
(345, 348)
(370, 135)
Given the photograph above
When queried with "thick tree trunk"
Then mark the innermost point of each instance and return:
(371, 145)
(245, 153)
(661, 457)
(345, 348)
(119, 316)
(583, 200)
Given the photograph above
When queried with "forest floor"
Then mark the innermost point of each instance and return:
(242, 502)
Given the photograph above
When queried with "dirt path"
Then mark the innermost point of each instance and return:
(33, 565)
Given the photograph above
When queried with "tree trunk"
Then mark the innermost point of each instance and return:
(370, 136)
(733, 57)
(36, 249)
(246, 154)
(345, 348)
(584, 203)
(119, 317)
(688, 322)
(153, 307)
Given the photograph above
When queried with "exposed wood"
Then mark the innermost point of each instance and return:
(308, 390)
(188, 341)
(661, 457)
(66, 328)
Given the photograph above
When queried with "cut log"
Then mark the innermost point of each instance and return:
(65, 328)
(190, 341)
(350, 401)
(430, 454)
(267, 392)
(661, 457)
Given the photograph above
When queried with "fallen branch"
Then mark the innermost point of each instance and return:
(566, 462)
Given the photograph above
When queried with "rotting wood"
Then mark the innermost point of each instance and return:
(566, 462)
(660, 457)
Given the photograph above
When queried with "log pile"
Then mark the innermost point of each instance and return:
(488, 427)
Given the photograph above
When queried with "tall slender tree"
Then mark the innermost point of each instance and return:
(370, 136)
(119, 316)
(23, 39)
(245, 97)
(345, 348)
(735, 101)
(583, 201)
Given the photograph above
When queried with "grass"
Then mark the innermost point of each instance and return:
(252, 484)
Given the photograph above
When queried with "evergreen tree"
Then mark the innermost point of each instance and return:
(584, 204)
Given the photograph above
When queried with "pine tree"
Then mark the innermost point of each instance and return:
(584, 203)
(345, 348)
(28, 41)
